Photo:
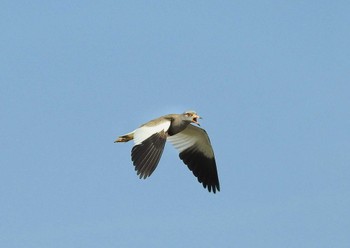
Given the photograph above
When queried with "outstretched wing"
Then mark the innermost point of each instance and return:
(197, 153)
(149, 145)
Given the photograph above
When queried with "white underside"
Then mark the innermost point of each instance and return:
(144, 132)
(192, 137)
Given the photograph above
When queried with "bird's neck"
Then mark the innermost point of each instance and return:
(177, 126)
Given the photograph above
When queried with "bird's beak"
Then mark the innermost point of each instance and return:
(195, 119)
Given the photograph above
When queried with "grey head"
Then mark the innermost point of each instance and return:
(180, 121)
(191, 116)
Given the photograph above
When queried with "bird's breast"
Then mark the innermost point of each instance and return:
(176, 128)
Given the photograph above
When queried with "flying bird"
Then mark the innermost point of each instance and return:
(191, 141)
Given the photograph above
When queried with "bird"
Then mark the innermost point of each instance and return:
(192, 143)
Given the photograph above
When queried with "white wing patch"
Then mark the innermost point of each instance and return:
(144, 132)
(181, 142)
(194, 137)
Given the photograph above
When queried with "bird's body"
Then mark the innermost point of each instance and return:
(192, 143)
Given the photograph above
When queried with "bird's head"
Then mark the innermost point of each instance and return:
(192, 116)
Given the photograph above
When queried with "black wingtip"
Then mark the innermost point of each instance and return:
(203, 168)
(212, 188)
(146, 156)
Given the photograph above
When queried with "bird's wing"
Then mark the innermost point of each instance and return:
(197, 153)
(147, 130)
(149, 145)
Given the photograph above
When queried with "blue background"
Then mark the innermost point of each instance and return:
(270, 78)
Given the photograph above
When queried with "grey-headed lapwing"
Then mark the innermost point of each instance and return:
(191, 141)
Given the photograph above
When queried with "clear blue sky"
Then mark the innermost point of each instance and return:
(270, 78)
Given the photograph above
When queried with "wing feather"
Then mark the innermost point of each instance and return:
(196, 152)
(147, 130)
(146, 155)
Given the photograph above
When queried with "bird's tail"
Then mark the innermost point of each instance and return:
(125, 138)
